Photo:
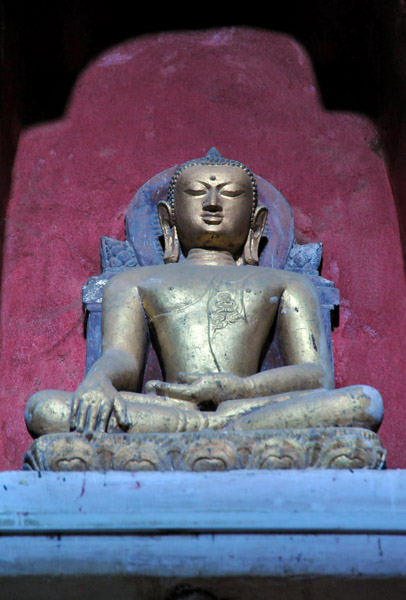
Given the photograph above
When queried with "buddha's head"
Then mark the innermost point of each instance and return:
(212, 204)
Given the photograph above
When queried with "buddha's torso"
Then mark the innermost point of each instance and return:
(206, 319)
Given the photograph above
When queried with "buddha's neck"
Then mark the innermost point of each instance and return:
(200, 256)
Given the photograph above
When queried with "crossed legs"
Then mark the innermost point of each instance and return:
(356, 406)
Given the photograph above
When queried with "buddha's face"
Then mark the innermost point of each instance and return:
(213, 207)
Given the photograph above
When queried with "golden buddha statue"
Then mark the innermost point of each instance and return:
(209, 318)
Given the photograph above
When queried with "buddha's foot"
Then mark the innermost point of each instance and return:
(208, 450)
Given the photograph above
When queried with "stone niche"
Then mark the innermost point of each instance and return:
(138, 108)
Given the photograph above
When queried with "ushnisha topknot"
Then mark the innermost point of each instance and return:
(212, 158)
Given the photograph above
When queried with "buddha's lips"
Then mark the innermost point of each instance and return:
(212, 218)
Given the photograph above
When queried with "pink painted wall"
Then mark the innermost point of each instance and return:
(154, 102)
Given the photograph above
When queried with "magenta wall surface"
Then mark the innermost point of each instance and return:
(154, 102)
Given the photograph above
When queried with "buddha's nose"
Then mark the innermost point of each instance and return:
(211, 201)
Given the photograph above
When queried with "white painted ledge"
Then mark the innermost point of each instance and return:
(234, 502)
(255, 524)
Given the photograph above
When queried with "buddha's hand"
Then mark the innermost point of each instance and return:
(93, 404)
(198, 387)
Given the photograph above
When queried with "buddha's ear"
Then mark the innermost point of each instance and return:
(171, 242)
(251, 247)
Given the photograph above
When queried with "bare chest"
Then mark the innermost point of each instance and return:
(216, 298)
(216, 319)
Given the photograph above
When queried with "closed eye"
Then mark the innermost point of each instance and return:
(196, 192)
(231, 193)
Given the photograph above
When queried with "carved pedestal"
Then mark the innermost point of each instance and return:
(322, 448)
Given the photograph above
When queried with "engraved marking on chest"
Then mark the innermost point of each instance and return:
(225, 308)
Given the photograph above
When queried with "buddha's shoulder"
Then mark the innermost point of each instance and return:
(133, 276)
(284, 277)
(279, 280)
(180, 272)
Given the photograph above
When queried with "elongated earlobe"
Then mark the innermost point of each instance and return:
(251, 247)
(171, 242)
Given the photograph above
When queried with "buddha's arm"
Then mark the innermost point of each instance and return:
(302, 342)
(120, 366)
